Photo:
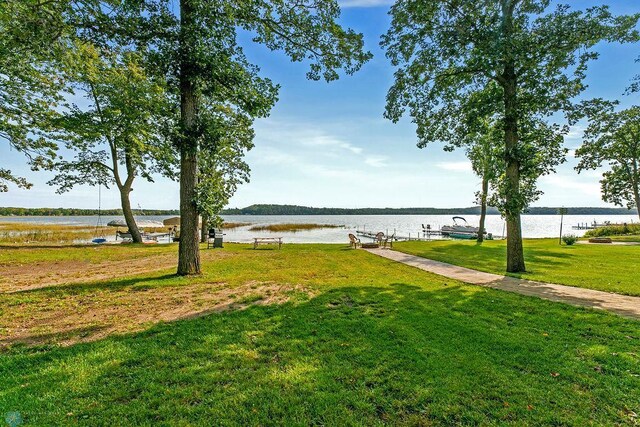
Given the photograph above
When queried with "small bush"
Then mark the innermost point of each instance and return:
(569, 239)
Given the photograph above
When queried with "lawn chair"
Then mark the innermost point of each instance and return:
(354, 241)
(383, 240)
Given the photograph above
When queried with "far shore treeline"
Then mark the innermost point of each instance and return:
(305, 210)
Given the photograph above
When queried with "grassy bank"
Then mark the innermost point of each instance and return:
(602, 267)
(26, 233)
(350, 339)
(232, 225)
(615, 230)
(292, 227)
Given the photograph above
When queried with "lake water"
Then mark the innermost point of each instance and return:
(533, 226)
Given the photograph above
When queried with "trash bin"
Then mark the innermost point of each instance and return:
(215, 238)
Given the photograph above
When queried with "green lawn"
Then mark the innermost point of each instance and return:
(603, 267)
(363, 341)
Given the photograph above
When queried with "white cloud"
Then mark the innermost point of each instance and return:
(271, 156)
(464, 166)
(321, 140)
(585, 186)
(376, 161)
(365, 3)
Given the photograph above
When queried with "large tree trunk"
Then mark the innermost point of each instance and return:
(189, 250)
(513, 205)
(636, 186)
(636, 194)
(483, 207)
(128, 215)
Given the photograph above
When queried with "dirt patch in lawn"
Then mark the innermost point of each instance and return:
(18, 277)
(69, 319)
(37, 275)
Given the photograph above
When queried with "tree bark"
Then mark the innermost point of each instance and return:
(128, 215)
(636, 186)
(483, 206)
(636, 195)
(188, 250)
(204, 230)
(513, 204)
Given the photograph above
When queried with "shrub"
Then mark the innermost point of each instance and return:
(569, 239)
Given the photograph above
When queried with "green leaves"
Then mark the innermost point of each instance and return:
(458, 62)
(29, 86)
(612, 139)
(122, 125)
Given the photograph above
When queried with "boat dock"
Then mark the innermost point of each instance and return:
(418, 236)
(592, 226)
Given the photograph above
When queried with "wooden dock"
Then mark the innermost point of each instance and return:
(418, 236)
(424, 235)
(592, 226)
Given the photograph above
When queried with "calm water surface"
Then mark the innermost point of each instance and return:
(403, 225)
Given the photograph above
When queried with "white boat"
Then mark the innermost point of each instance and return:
(459, 228)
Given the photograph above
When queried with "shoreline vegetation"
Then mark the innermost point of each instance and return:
(632, 230)
(292, 227)
(233, 225)
(265, 209)
(17, 233)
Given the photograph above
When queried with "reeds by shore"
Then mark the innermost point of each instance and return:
(292, 227)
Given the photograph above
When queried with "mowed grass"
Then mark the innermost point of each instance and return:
(603, 267)
(372, 343)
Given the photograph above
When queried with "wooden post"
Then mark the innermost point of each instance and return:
(562, 212)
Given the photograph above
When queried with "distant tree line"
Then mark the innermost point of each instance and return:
(306, 210)
(475, 210)
(75, 212)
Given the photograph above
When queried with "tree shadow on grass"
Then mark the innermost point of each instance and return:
(133, 282)
(400, 353)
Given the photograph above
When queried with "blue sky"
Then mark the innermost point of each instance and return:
(327, 144)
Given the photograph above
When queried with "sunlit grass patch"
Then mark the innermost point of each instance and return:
(372, 342)
(603, 267)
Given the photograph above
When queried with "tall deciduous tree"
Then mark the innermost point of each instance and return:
(199, 51)
(613, 139)
(120, 133)
(486, 162)
(535, 56)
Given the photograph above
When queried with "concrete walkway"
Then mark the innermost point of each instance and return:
(614, 243)
(623, 305)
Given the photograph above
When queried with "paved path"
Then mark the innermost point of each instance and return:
(614, 243)
(624, 305)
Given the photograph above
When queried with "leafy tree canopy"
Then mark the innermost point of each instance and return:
(122, 123)
(612, 139)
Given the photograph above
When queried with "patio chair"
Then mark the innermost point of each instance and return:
(354, 241)
(383, 240)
